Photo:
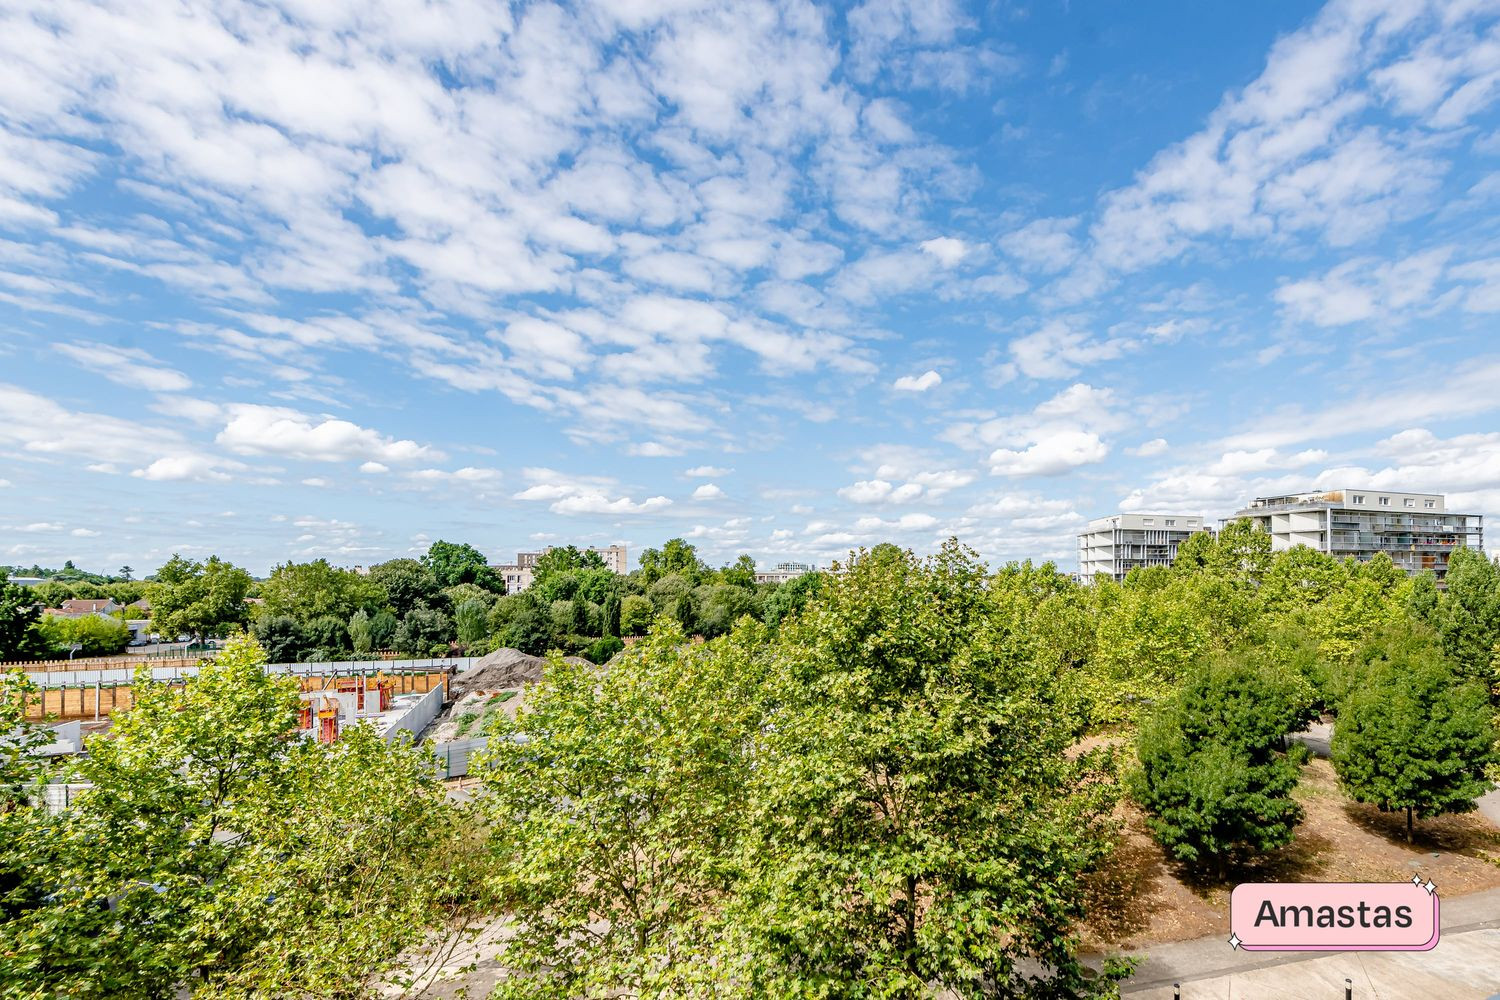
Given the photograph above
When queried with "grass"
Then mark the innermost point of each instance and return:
(466, 722)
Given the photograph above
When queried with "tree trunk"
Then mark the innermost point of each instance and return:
(1408, 824)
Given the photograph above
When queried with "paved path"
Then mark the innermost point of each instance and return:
(1465, 965)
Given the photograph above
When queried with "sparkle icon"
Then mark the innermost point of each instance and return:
(1429, 887)
(1234, 940)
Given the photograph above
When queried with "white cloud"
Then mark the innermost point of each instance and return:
(594, 503)
(373, 468)
(948, 250)
(174, 468)
(707, 471)
(1046, 245)
(84, 533)
(917, 383)
(1149, 449)
(1050, 456)
(127, 366)
(272, 430)
(1366, 289)
(1307, 149)
(880, 491)
(708, 491)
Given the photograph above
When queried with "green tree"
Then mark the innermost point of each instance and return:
(740, 573)
(310, 590)
(636, 614)
(601, 649)
(1145, 642)
(94, 635)
(791, 597)
(578, 616)
(421, 631)
(1415, 737)
(919, 822)
(361, 633)
(280, 638)
(613, 845)
(382, 629)
(720, 605)
(408, 585)
(124, 573)
(372, 856)
(194, 598)
(20, 766)
(676, 556)
(665, 592)
(610, 613)
(1212, 777)
(469, 621)
(327, 633)
(19, 615)
(236, 860)
(453, 563)
(153, 837)
(685, 613)
(529, 631)
(1469, 616)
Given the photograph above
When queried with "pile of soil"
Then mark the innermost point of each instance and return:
(504, 668)
(502, 671)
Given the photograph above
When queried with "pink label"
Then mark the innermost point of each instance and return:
(1334, 916)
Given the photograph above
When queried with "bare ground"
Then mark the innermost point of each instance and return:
(1142, 897)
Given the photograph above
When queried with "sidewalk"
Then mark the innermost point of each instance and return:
(1465, 965)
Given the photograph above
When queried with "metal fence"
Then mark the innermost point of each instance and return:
(453, 757)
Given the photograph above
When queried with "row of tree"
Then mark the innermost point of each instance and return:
(446, 601)
(885, 793)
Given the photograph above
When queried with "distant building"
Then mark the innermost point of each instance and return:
(1117, 544)
(783, 572)
(1416, 530)
(78, 608)
(27, 581)
(518, 575)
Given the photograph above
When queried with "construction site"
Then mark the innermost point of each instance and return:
(448, 701)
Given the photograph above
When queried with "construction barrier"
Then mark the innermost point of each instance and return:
(82, 699)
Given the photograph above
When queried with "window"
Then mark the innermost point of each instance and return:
(1429, 504)
(1409, 502)
(1148, 520)
(1171, 522)
(1359, 498)
(1385, 501)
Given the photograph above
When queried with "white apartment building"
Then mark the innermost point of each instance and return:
(1416, 530)
(783, 572)
(1117, 544)
(518, 575)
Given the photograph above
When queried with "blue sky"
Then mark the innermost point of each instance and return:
(307, 279)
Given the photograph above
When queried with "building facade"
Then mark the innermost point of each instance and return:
(783, 572)
(1416, 530)
(519, 574)
(1117, 544)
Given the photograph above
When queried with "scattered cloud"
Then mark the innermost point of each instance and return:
(918, 383)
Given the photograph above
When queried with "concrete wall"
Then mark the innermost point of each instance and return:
(423, 709)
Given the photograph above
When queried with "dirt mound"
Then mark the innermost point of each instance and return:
(504, 668)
